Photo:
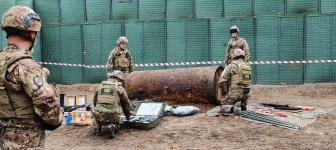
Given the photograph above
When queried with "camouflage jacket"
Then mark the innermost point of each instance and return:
(225, 78)
(27, 76)
(236, 43)
(113, 62)
(122, 97)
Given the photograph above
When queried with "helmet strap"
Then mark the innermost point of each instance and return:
(32, 42)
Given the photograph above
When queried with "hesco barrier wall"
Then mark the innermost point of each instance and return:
(291, 42)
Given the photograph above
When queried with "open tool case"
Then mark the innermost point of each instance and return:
(145, 114)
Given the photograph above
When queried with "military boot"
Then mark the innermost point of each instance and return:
(112, 134)
(243, 105)
(235, 110)
(98, 131)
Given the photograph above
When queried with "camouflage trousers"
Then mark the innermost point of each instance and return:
(234, 96)
(105, 114)
(17, 138)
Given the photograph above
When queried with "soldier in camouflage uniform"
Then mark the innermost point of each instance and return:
(235, 83)
(109, 95)
(236, 42)
(120, 58)
(28, 104)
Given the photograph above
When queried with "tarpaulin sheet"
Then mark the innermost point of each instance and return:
(301, 118)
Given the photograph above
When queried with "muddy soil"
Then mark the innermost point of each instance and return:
(201, 131)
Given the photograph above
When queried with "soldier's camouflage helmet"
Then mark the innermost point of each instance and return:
(234, 29)
(46, 71)
(122, 40)
(116, 74)
(22, 18)
(238, 52)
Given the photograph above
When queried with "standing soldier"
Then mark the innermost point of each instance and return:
(236, 42)
(120, 58)
(235, 83)
(109, 95)
(28, 104)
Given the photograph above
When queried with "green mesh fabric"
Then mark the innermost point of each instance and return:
(134, 33)
(155, 43)
(72, 11)
(333, 52)
(302, 6)
(28, 3)
(92, 47)
(269, 7)
(172, 31)
(180, 9)
(197, 43)
(176, 47)
(220, 35)
(267, 50)
(328, 6)
(237, 8)
(52, 51)
(124, 9)
(49, 11)
(37, 52)
(97, 11)
(291, 48)
(71, 53)
(5, 5)
(209, 9)
(318, 47)
(154, 9)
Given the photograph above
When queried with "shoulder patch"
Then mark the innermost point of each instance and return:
(38, 80)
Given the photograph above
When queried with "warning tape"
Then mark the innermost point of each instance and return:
(197, 63)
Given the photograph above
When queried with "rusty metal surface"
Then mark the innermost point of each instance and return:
(182, 85)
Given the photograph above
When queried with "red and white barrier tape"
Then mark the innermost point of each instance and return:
(197, 63)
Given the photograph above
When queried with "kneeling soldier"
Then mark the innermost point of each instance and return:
(109, 95)
(235, 83)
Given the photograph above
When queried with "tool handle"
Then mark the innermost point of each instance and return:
(309, 108)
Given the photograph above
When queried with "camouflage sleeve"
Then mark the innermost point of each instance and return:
(246, 50)
(95, 97)
(46, 104)
(109, 63)
(227, 53)
(125, 103)
(225, 78)
(131, 65)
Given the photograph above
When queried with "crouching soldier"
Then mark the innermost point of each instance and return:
(235, 82)
(109, 95)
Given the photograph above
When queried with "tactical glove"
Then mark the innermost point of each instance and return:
(51, 127)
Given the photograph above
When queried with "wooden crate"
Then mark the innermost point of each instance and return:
(81, 118)
(81, 100)
(70, 100)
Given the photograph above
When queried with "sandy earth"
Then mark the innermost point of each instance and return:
(201, 131)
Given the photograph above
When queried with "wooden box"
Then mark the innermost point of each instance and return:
(70, 100)
(81, 100)
(81, 118)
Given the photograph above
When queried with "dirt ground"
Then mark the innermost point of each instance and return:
(201, 131)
